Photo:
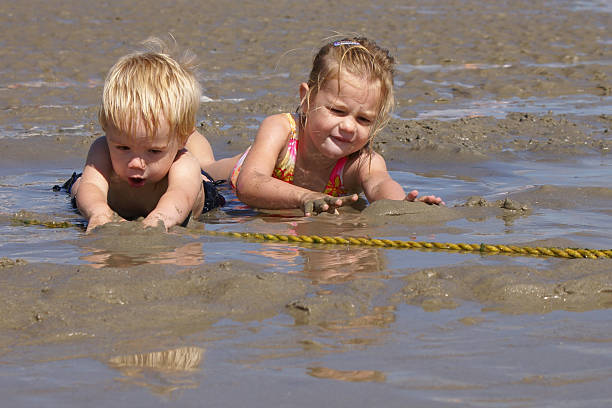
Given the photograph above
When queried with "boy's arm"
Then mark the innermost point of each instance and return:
(92, 190)
(377, 183)
(200, 148)
(256, 186)
(184, 188)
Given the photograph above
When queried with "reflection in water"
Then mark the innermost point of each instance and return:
(328, 264)
(347, 375)
(339, 265)
(380, 316)
(187, 255)
(323, 263)
(162, 372)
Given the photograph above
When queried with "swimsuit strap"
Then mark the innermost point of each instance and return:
(335, 187)
(284, 170)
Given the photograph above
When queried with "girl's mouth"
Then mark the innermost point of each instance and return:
(136, 181)
(341, 140)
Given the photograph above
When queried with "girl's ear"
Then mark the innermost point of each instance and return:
(303, 95)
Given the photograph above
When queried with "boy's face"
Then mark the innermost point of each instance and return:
(140, 159)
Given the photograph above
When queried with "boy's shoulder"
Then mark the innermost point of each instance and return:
(99, 153)
(100, 141)
(185, 163)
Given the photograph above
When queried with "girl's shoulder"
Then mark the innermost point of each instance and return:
(280, 120)
(359, 166)
(364, 160)
(277, 128)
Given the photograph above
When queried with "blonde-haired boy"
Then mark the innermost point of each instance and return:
(140, 167)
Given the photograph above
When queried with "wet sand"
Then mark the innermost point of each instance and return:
(503, 109)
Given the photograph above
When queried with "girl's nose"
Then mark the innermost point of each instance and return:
(347, 124)
(136, 162)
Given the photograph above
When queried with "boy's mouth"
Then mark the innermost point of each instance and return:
(136, 181)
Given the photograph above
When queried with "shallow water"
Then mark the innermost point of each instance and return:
(493, 100)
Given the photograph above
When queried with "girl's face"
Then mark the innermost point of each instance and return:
(339, 119)
(140, 159)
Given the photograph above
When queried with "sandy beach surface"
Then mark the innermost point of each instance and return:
(504, 109)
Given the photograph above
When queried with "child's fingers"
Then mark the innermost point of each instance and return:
(411, 196)
(97, 220)
(431, 199)
(321, 205)
(327, 204)
(313, 207)
(343, 200)
(349, 198)
(308, 206)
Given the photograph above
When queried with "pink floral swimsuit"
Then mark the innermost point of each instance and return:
(284, 170)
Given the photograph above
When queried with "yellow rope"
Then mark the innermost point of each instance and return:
(460, 247)
(387, 243)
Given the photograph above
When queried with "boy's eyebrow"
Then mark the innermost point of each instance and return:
(159, 146)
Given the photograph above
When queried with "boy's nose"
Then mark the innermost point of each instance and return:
(136, 162)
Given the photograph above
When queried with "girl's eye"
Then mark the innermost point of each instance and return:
(336, 110)
(125, 148)
(155, 151)
(364, 121)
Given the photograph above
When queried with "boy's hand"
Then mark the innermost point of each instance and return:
(430, 199)
(154, 219)
(316, 203)
(99, 219)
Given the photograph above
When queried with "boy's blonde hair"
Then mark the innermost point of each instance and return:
(151, 86)
(360, 57)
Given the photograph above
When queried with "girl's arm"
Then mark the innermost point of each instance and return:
(377, 184)
(91, 190)
(256, 186)
(180, 198)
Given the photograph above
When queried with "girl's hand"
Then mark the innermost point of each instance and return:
(430, 199)
(316, 203)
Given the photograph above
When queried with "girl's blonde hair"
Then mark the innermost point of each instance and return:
(151, 86)
(360, 57)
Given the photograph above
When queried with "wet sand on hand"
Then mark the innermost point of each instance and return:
(499, 106)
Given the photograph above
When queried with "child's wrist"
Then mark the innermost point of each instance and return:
(155, 217)
(102, 213)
